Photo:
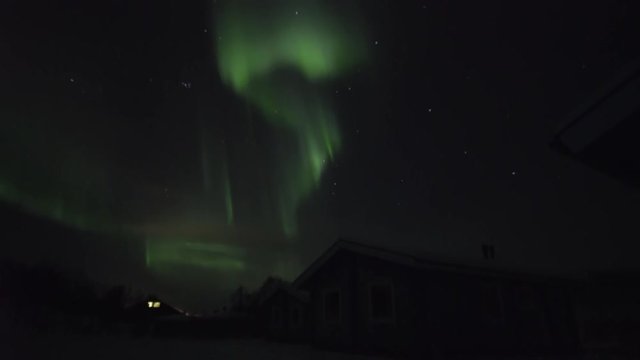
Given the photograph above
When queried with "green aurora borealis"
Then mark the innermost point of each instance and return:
(279, 59)
(276, 57)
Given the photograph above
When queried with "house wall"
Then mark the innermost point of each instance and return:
(439, 312)
(337, 274)
(387, 334)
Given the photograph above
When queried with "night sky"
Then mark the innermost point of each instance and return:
(201, 145)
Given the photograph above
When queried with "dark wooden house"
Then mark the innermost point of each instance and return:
(602, 134)
(374, 300)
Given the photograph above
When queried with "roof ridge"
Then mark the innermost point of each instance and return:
(443, 264)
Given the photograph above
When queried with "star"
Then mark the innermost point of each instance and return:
(513, 173)
(375, 42)
(429, 110)
(72, 80)
(297, 12)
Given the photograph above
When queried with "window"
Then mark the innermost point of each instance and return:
(296, 316)
(276, 316)
(332, 305)
(381, 302)
(153, 304)
(490, 299)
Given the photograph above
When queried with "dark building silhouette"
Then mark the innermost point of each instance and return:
(603, 132)
(374, 300)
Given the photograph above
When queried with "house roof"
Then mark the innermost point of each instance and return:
(429, 261)
(602, 131)
(602, 110)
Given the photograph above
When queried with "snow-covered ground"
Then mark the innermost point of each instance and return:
(95, 348)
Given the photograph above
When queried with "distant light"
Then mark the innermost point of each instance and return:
(156, 304)
(150, 304)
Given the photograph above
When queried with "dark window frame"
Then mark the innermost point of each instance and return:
(391, 317)
(296, 321)
(325, 293)
(277, 320)
(497, 317)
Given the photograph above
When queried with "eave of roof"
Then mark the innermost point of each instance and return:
(600, 112)
(417, 262)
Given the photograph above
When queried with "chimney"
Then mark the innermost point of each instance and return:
(488, 251)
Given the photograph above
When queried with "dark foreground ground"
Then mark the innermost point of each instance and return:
(114, 347)
(110, 347)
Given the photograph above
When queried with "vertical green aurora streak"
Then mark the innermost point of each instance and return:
(277, 55)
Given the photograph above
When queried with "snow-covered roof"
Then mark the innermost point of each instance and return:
(417, 261)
